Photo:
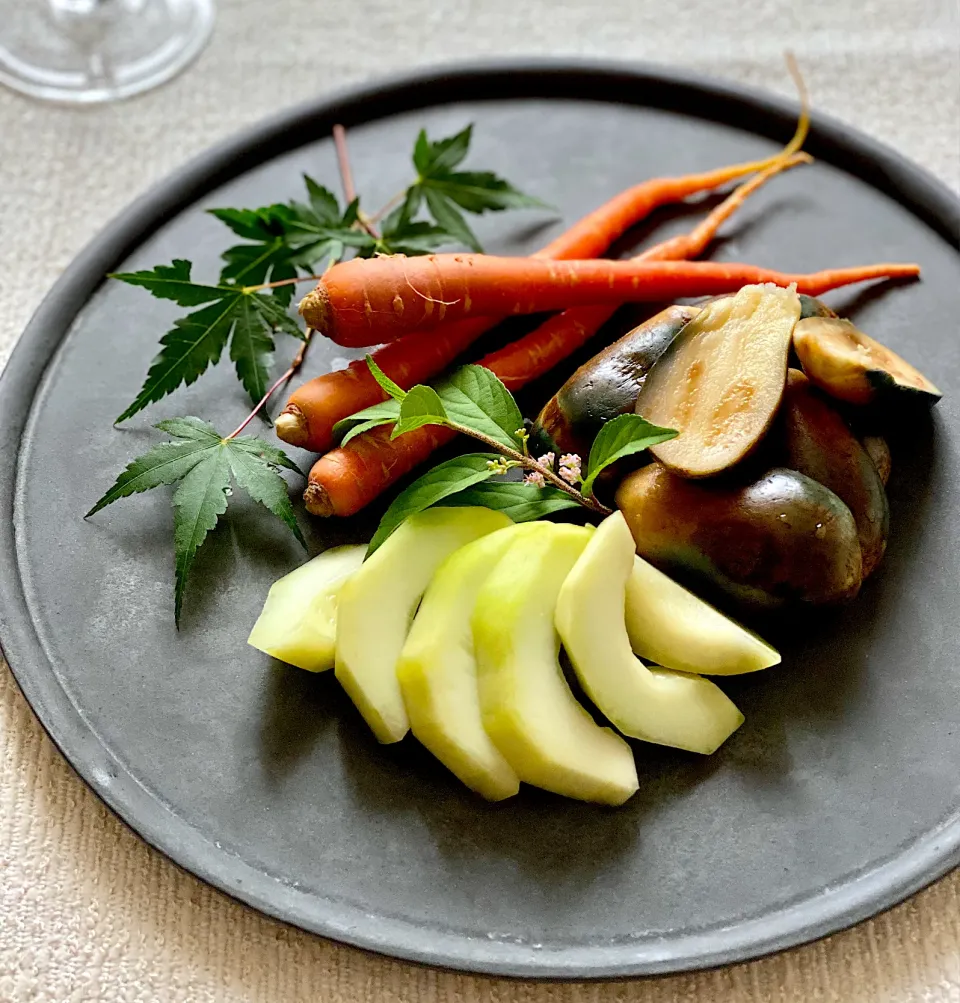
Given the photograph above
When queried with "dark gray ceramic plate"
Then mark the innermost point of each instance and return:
(840, 795)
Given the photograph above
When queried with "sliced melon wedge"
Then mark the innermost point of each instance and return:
(438, 667)
(656, 705)
(528, 710)
(378, 602)
(298, 623)
(669, 625)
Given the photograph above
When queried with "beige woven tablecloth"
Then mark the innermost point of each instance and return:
(87, 911)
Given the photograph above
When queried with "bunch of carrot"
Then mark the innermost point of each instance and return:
(428, 310)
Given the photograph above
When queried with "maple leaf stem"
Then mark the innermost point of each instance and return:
(391, 204)
(281, 282)
(343, 162)
(346, 178)
(279, 382)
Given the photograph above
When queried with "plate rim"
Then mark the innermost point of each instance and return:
(826, 912)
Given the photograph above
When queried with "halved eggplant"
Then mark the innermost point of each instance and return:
(720, 382)
(879, 451)
(849, 365)
(817, 442)
(784, 538)
(607, 385)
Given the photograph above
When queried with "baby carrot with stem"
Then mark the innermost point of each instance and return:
(375, 300)
(315, 407)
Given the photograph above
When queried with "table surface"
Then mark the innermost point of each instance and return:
(89, 912)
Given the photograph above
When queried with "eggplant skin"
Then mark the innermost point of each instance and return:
(810, 306)
(879, 451)
(608, 384)
(817, 442)
(783, 539)
(852, 367)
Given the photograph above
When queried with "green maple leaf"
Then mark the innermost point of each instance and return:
(446, 192)
(319, 230)
(401, 235)
(269, 257)
(230, 314)
(203, 464)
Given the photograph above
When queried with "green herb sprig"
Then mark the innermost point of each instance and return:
(474, 402)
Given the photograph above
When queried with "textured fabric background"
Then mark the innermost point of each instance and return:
(87, 911)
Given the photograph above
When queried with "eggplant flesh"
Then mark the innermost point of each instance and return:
(720, 382)
(853, 367)
(607, 385)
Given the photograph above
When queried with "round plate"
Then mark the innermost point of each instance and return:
(838, 797)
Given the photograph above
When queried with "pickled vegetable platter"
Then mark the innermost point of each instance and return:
(267, 779)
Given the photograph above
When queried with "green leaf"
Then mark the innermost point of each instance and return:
(387, 385)
(251, 350)
(268, 259)
(482, 191)
(197, 341)
(323, 202)
(269, 454)
(163, 464)
(189, 428)
(421, 152)
(264, 224)
(385, 413)
(449, 218)
(198, 503)
(421, 406)
(319, 231)
(522, 502)
(202, 462)
(276, 315)
(474, 397)
(440, 482)
(193, 343)
(622, 436)
(257, 264)
(411, 202)
(264, 485)
(443, 155)
(444, 190)
(172, 282)
(398, 235)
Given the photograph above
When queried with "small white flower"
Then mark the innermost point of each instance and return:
(535, 477)
(547, 460)
(570, 468)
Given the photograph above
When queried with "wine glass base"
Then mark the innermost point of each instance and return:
(94, 52)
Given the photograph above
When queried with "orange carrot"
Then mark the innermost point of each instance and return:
(564, 333)
(315, 407)
(374, 300)
(348, 478)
